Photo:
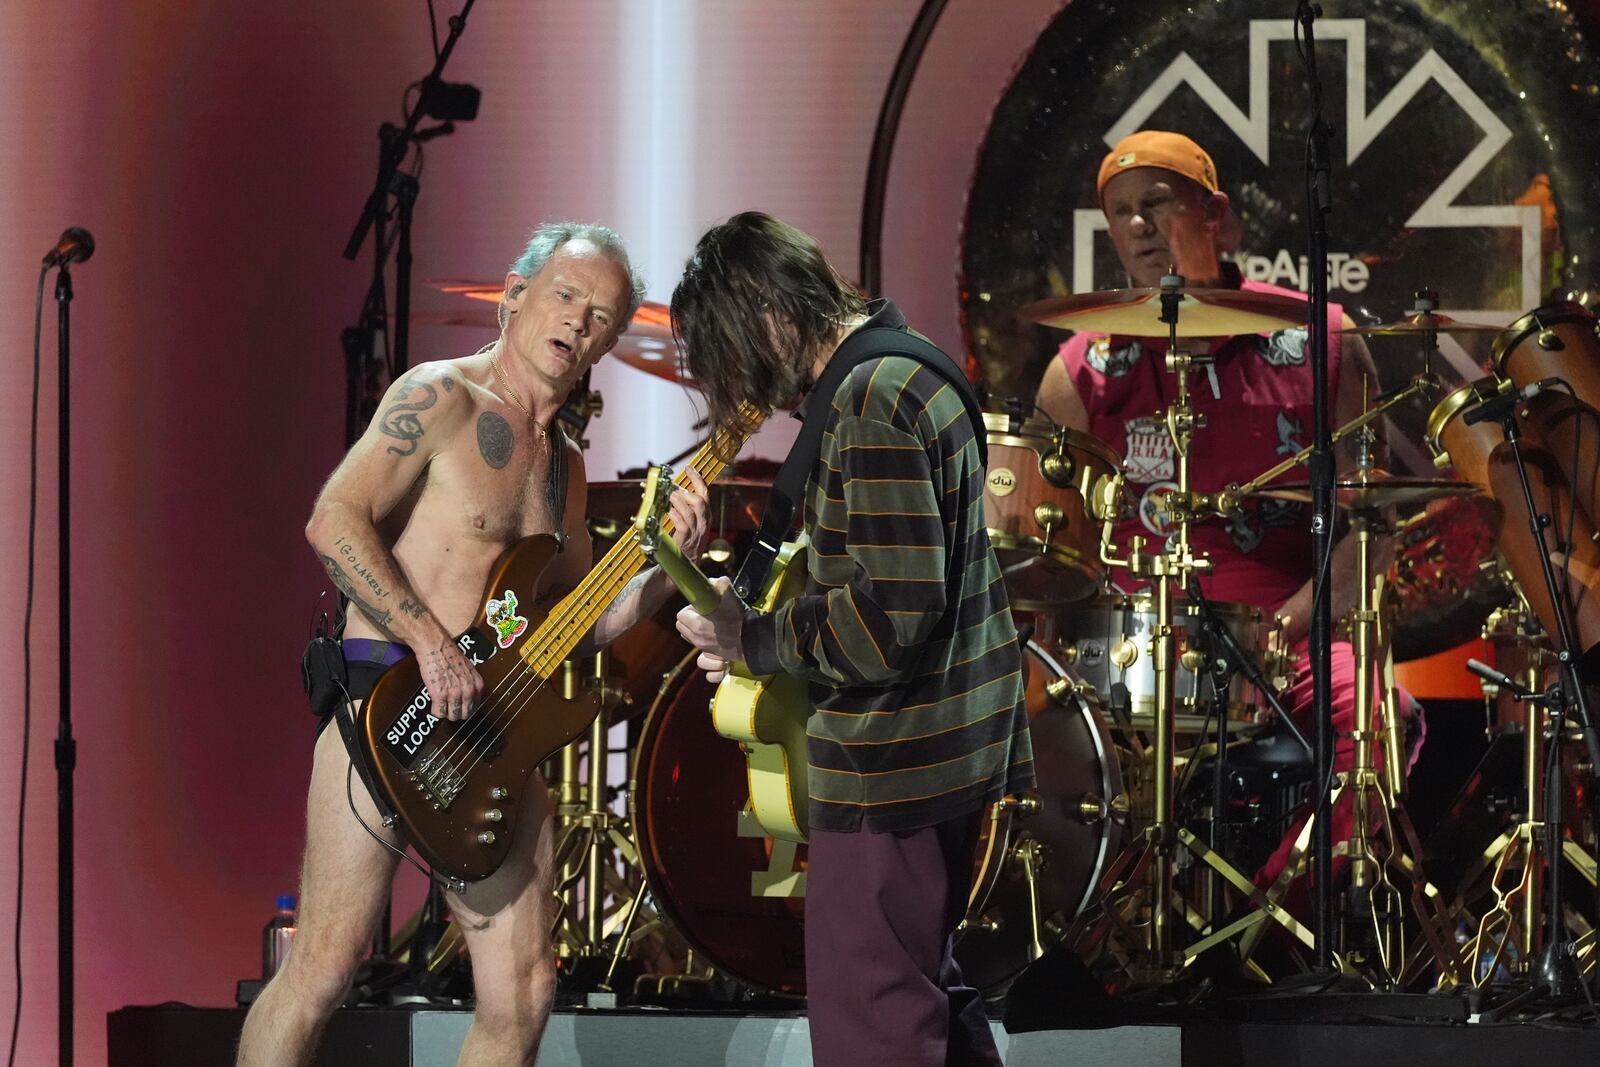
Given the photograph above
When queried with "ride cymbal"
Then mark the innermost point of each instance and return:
(1376, 489)
(1137, 312)
(1422, 322)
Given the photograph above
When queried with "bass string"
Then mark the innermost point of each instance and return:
(563, 628)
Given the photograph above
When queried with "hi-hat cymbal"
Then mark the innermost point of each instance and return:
(1373, 489)
(1137, 312)
(648, 345)
(1422, 322)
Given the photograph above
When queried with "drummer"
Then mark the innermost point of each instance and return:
(1164, 209)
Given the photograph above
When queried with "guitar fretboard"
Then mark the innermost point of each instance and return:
(554, 639)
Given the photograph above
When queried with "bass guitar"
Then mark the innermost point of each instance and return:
(766, 715)
(457, 788)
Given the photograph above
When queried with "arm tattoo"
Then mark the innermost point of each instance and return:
(495, 440)
(401, 420)
(348, 588)
(412, 608)
(629, 591)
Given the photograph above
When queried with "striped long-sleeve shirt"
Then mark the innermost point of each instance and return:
(904, 630)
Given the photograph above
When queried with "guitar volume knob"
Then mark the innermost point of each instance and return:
(494, 815)
(486, 837)
(499, 792)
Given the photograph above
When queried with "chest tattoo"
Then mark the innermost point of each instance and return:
(495, 441)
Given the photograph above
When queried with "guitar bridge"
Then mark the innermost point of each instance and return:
(439, 781)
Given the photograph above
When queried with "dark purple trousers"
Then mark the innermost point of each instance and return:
(882, 987)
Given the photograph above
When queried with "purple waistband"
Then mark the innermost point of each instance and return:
(371, 650)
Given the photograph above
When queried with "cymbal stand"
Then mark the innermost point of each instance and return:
(589, 833)
(1156, 862)
(1556, 968)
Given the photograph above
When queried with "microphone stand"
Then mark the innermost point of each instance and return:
(360, 341)
(1321, 632)
(1223, 638)
(66, 749)
(1556, 967)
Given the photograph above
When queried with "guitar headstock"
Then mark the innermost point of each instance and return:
(653, 508)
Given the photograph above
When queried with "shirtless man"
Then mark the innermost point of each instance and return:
(457, 466)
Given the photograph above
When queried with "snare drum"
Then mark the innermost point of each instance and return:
(1039, 479)
(1109, 644)
(1481, 456)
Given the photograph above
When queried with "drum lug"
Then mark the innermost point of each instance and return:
(1550, 341)
(1028, 804)
(1048, 516)
(1061, 692)
(1057, 467)
(1093, 810)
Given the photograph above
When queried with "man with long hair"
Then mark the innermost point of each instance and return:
(903, 632)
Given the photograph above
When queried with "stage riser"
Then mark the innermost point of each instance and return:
(199, 1037)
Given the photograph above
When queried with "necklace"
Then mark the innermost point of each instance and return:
(494, 365)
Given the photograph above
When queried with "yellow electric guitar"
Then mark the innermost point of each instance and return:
(766, 715)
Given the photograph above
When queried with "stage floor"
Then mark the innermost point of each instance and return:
(392, 1037)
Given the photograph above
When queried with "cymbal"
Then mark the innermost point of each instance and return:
(1423, 322)
(1137, 312)
(1375, 489)
(648, 344)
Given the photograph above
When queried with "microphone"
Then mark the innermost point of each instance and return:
(1498, 406)
(1489, 674)
(75, 246)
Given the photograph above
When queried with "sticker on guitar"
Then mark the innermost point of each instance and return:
(502, 615)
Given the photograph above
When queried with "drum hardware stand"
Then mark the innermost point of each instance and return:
(1227, 658)
(1556, 967)
(1155, 863)
(589, 833)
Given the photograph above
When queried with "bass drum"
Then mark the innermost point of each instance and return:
(1067, 835)
(735, 896)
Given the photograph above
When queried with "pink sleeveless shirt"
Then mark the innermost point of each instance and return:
(1257, 403)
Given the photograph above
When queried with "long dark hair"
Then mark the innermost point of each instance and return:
(756, 302)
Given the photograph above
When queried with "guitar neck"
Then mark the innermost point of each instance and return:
(689, 578)
(554, 639)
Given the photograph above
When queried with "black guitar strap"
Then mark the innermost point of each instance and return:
(788, 487)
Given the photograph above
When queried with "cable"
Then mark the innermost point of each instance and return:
(350, 798)
(433, 29)
(27, 664)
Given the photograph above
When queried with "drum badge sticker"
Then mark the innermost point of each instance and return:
(1113, 364)
(1150, 453)
(1154, 512)
(502, 615)
(1283, 348)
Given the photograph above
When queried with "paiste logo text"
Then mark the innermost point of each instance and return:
(1346, 272)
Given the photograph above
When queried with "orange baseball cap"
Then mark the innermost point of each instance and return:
(1158, 148)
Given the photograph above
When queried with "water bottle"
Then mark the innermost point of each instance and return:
(277, 936)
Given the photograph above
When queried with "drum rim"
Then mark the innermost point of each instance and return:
(663, 903)
(1181, 605)
(1452, 405)
(1542, 317)
(1000, 433)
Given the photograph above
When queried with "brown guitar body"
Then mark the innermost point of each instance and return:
(459, 788)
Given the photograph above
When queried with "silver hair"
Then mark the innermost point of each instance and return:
(552, 235)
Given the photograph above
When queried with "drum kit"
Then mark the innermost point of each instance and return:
(1135, 698)
(1142, 692)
